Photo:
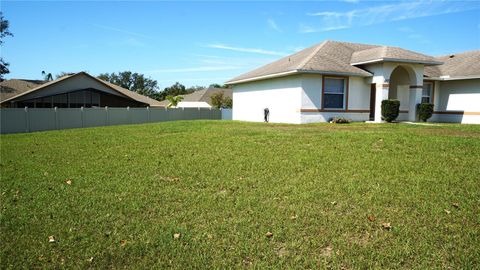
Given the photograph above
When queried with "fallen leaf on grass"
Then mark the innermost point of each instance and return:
(456, 205)
(51, 239)
(269, 234)
(447, 211)
(387, 226)
(69, 182)
(90, 259)
(293, 217)
(176, 236)
(371, 218)
(123, 243)
(334, 203)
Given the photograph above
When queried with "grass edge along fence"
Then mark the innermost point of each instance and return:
(20, 120)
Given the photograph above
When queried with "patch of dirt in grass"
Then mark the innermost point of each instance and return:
(361, 239)
(327, 251)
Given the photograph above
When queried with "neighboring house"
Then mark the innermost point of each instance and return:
(200, 98)
(340, 79)
(70, 91)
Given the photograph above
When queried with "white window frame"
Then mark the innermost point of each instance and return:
(431, 92)
(331, 93)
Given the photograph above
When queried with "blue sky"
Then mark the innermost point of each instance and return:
(198, 43)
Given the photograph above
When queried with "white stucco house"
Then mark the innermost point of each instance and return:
(340, 79)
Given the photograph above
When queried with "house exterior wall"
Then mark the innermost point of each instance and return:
(298, 99)
(457, 101)
(282, 96)
(357, 104)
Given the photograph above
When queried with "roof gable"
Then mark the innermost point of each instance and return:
(69, 82)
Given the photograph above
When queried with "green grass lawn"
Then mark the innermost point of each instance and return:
(323, 190)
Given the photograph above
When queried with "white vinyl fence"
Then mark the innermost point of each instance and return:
(16, 120)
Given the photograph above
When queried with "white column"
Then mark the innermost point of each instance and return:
(415, 98)
(381, 93)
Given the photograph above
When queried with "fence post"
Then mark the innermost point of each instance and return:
(27, 120)
(106, 115)
(148, 114)
(82, 116)
(56, 117)
(129, 115)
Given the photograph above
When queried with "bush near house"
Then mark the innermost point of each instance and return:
(390, 109)
(340, 120)
(425, 111)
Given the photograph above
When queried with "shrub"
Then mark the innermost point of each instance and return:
(340, 120)
(425, 111)
(390, 109)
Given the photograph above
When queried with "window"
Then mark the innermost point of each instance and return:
(334, 93)
(427, 92)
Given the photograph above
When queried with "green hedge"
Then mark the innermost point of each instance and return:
(390, 109)
(425, 111)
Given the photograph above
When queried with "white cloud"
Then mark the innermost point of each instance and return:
(273, 25)
(333, 20)
(192, 69)
(247, 50)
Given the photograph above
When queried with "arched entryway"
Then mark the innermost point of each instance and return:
(405, 87)
(400, 81)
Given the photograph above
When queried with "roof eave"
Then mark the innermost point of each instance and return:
(264, 77)
(298, 71)
(427, 63)
(449, 78)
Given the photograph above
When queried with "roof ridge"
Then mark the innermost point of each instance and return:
(315, 51)
(457, 53)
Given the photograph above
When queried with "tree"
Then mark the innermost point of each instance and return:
(135, 82)
(174, 90)
(4, 24)
(63, 74)
(216, 85)
(220, 101)
(173, 100)
(195, 88)
(47, 76)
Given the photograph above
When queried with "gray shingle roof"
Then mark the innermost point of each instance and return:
(328, 57)
(385, 53)
(464, 64)
(13, 87)
(333, 57)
